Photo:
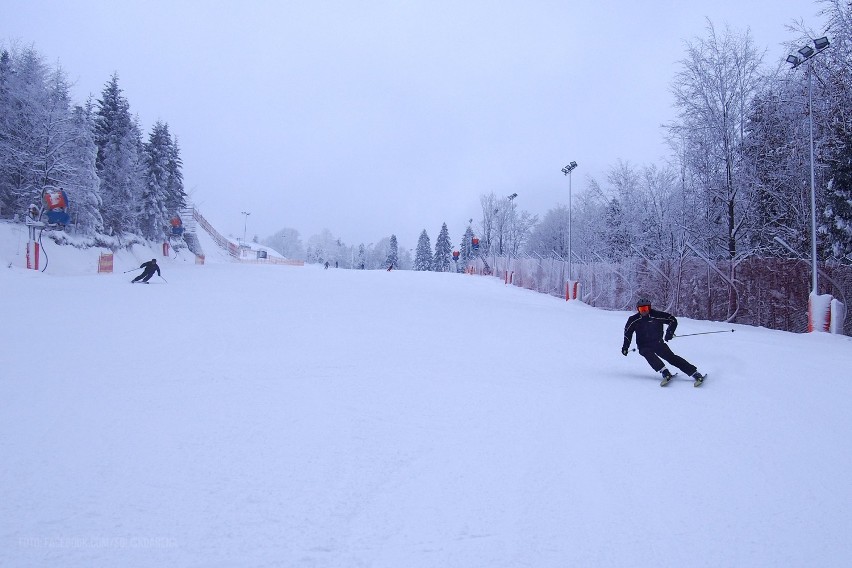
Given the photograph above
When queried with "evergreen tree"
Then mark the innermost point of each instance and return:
(466, 253)
(24, 105)
(774, 151)
(423, 255)
(153, 213)
(56, 130)
(617, 237)
(5, 114)
(119, 143)
(836, 222)
(393, 253)
(443, 251)
(834, 88)
(6, 146)
(82, 184)
(175, 192)
(361, 262)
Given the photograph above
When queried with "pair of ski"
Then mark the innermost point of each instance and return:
(667, 380)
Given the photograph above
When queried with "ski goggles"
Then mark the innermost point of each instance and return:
(643, 309)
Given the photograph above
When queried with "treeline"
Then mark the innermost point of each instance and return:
(706, 229)
(738, 182)
(118, 184)
(737, 185)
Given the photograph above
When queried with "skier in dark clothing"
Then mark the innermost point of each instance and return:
(648, 324)
(150, 267)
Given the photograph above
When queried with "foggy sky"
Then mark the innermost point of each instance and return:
(370, 118)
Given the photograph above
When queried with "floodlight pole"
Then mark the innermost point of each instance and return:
(813, 184)
(807, 53)
(245, 224)
(567, 171)
(509, 199)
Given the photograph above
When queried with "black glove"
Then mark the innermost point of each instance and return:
(624, 351)
(669, 336)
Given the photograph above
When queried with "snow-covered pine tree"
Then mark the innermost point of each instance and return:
(153, 213)
(361, 262)
(23, 105)
(43, 140)
(393, 253)
(837, 80)
(616, 233)
(443, 251)
(55, 131)
(466, 248)
(119, 143)
(5, 112)
(836, 225)
(423, 255)
(175, 192)
(82, 184)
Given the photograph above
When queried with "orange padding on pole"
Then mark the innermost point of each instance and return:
(819, 312)
(32, 255)
(572, 290)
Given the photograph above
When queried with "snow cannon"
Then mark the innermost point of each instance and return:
(177, 226)
(56, 205)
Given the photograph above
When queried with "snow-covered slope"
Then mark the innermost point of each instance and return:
(244, 415)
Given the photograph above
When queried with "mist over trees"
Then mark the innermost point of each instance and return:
(287, 242)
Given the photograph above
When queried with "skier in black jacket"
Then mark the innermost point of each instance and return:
(150, 267)
(648, 324)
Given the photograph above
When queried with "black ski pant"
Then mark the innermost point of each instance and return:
(654, 353)
(144, 277)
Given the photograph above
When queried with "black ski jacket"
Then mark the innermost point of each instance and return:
(648, 329)
(150, 267)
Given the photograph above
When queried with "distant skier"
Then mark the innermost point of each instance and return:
(150, 267)
(647, 324)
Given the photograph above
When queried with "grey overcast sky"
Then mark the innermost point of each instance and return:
(376, 117)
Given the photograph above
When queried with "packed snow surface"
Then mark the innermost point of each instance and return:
(243, 415)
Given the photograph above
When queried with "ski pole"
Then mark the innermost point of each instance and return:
(161, 276)
(706, 333)
(700, 333)
(131, 270)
